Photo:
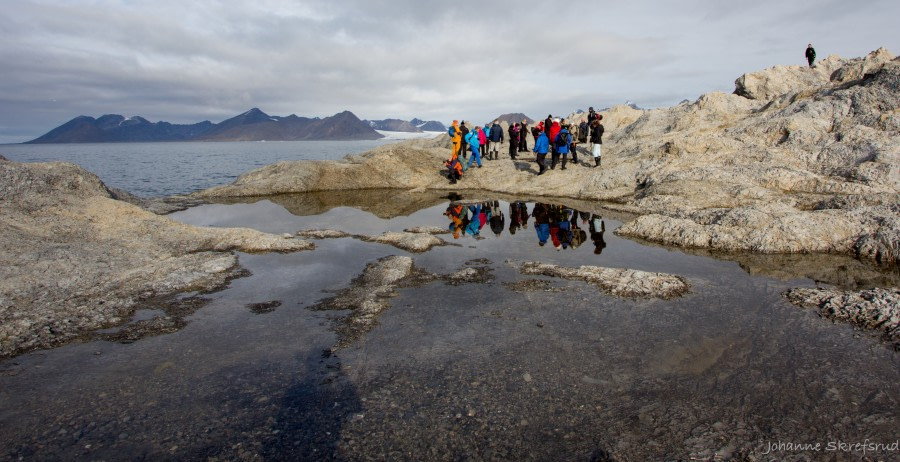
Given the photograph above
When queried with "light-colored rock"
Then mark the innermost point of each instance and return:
(615, 281)
(73, 259)
(812, 164)
(412, 242)
(427, 230)
(872, 309)
(323, 234)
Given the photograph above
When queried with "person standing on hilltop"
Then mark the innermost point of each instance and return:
(810, 54)
(548, 122)
(591, 114)
(514, 135)
(541, 146)
(495, 138)
(455, 138)
(472, 139)
(523, 145)
(596, 139)
(482, 139)
(464, 145)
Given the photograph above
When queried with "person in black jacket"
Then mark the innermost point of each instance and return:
(495, 136)
(596, 139)
(464, 146)
(810, 54)
(523, 130)
(514, 135)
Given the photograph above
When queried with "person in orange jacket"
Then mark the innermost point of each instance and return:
(455, 138)
(454, 169)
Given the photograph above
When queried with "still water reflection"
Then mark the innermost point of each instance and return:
(474, 371)
(562, 226)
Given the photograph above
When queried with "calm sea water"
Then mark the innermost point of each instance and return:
(163, 169)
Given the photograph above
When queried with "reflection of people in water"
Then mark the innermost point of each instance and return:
(474, 226)
(597, 227)
(518, 216)
(455, 212)
(578, 234)
(541, 214)
(497, 219)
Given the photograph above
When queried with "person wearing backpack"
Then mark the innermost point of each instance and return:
(596, 139)
(560, 148)
(573, 141)
(495, 138)
(455, 138)
(472, 140)
(454, 169)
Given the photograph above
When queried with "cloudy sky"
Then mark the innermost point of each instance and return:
(188, 61)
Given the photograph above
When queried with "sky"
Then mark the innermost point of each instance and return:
(185, 62)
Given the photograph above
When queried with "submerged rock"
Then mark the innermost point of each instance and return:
(367, 296)
(615, 281)
(872, 309)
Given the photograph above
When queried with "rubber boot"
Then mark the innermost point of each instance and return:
(596, 161)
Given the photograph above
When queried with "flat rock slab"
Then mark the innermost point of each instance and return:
(412, 242)
(323, 234)
(877, 309)
(615, 281)
(427, 230)
(417, 240)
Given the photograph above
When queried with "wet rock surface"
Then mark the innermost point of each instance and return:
(411, 241)
(369, 293)
(876, 310)
(614, 281)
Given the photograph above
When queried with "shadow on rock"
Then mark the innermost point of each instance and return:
(313, 412)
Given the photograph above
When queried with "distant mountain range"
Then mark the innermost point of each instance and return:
(253, 125)
(413, 126)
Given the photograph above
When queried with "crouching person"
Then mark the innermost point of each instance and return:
(454, 169)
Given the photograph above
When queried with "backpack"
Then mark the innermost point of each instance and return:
(451, 131)
(562, 139)
(583, 132)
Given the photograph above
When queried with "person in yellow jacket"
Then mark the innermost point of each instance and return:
(455, 138)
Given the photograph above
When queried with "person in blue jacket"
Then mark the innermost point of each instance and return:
(495, 137)
(541, 214)
(474, 225)
(472, 140)
(561, 147)
(541, 146)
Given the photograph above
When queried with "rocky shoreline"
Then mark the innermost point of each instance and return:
(796, 161)
(73, 259)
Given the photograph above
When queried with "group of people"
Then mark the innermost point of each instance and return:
(553, 136)
(553, 223)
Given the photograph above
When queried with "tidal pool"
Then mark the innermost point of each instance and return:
(510, 367)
